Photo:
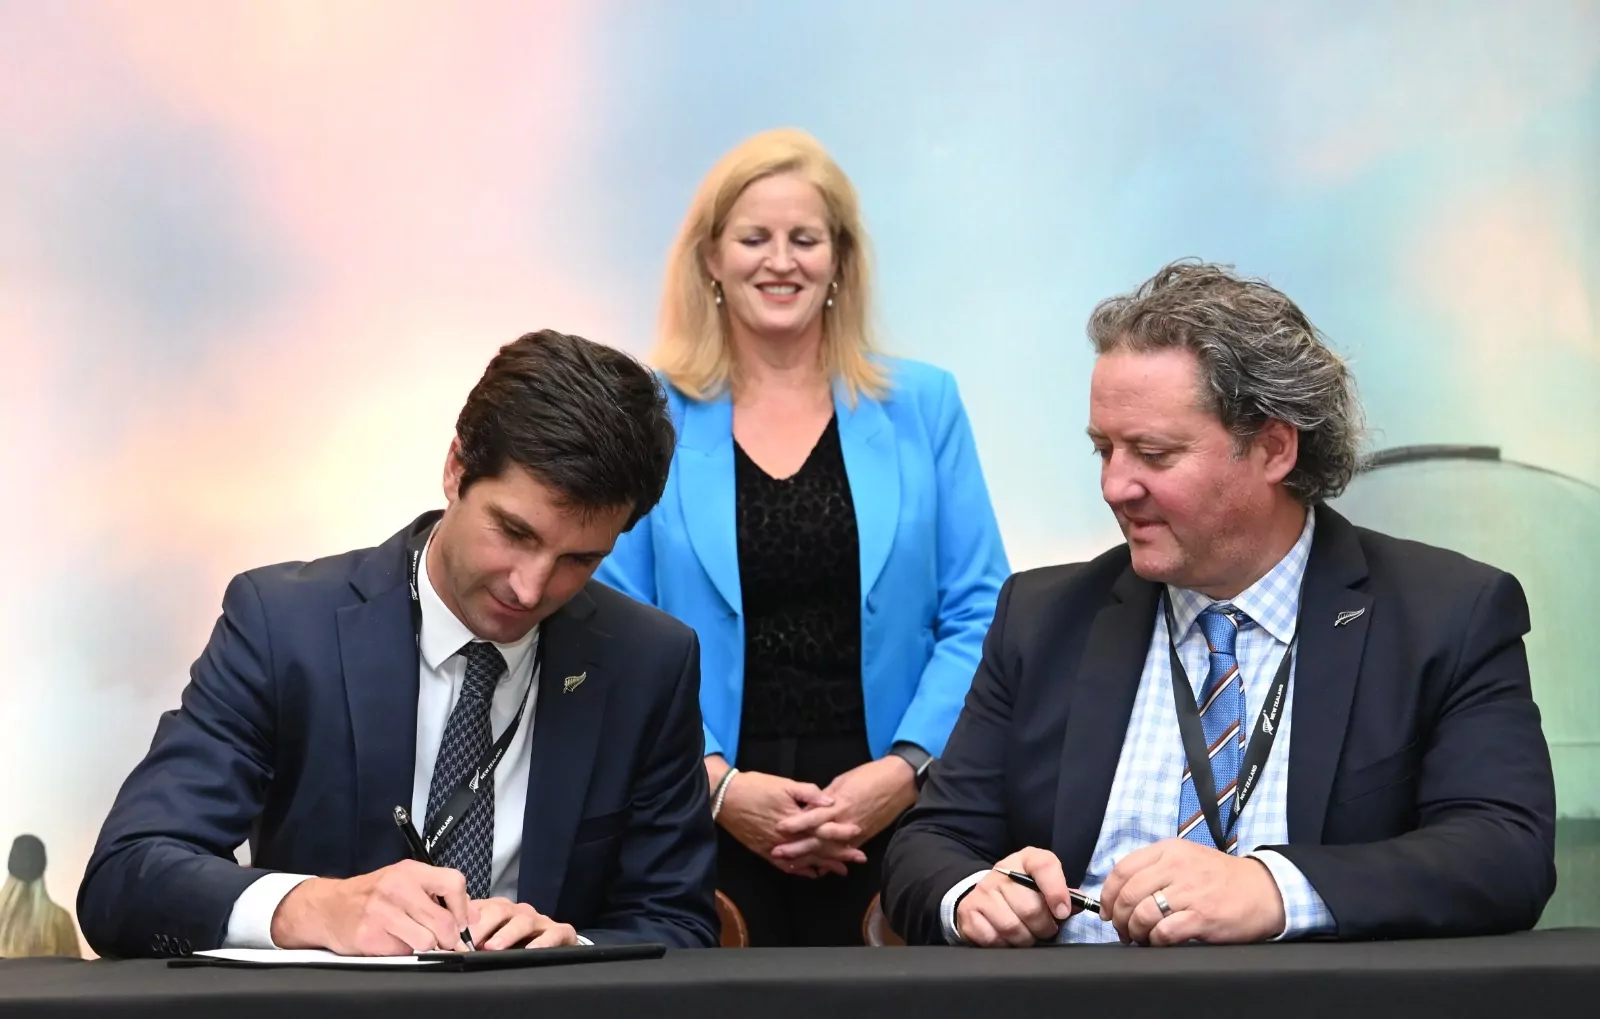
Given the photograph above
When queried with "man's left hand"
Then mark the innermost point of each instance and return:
(1213, 897)
(506, 924)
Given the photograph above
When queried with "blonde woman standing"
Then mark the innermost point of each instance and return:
(826, 530)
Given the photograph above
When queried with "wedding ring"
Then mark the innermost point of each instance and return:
(1162, 903)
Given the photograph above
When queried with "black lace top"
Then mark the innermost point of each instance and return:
(800, 571)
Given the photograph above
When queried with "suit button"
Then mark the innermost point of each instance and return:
(155, 943)
(183, 946)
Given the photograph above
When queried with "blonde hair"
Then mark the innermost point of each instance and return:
(692, 347)
(32, 925)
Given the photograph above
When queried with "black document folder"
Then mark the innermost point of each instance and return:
(454, 962)
(518, 958)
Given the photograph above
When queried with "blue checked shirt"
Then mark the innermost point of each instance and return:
(1143, 807)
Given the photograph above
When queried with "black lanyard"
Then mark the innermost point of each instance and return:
(1194, 740)
(466, 792)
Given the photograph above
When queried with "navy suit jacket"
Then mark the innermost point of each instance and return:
(297, 731)
(1421, 800)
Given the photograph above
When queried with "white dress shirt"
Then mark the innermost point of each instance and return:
(441, 673)
(1143, 805)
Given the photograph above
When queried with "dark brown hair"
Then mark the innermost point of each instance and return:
(585, 419)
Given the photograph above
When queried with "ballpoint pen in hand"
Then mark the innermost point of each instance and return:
(419, 852)
(1088, 902)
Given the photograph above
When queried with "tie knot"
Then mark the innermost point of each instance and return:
(485, 666)
(1221, 625)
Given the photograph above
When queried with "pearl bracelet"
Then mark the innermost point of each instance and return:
(721, 792)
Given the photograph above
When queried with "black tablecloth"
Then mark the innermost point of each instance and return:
(1544, 974)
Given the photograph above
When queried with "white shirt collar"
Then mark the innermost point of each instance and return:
(443, 634)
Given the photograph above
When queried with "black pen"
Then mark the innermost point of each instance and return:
(1088, 902)
(419, 852)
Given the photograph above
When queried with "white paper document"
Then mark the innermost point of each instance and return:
(311, 957)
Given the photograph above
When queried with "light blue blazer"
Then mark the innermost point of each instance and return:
(931, 557)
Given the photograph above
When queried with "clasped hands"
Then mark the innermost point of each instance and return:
(395, 911)
(808, 831)
(1210, 896)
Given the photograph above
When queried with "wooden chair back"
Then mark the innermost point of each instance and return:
(875, 930)
(734, 933)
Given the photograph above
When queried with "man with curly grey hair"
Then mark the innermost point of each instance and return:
(1253, 720)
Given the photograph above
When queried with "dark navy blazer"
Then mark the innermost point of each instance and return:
(1421, 800)
(297, 731)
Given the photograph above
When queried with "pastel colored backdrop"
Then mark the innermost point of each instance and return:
(253, 255)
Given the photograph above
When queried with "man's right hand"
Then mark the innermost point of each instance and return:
(392, 911)
(999, 913)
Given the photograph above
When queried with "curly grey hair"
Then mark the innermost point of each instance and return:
(1260, 358)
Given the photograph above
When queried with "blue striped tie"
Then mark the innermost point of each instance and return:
(1221, 705)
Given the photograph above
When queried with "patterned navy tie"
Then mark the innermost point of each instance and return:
(470, 846)
(1222, 721)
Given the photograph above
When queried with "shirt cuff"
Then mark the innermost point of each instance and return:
(1304, 912)
(952, 899)
(250, 923)
(583, 940)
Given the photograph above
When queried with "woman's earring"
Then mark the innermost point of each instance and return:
(716, 289)
(833, 288)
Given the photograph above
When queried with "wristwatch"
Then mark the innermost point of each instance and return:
(919, 759)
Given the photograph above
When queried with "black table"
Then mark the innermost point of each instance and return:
(1544, 974)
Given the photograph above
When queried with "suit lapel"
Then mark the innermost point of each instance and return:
(1100, 698)
(378, 656)
(1326, 667)
(706, 495)
(873, 467)
(566, 738)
